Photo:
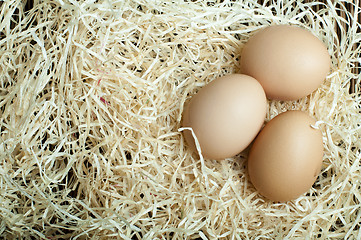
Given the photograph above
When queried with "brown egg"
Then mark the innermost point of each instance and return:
(225, 115)
(286, 156)
(288, 61)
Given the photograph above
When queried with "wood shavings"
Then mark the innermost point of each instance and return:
(91, 99)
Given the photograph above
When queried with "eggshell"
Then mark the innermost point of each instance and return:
(288, 61)
(225, 115)
(286, 156)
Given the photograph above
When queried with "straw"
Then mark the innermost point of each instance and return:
(91, 100)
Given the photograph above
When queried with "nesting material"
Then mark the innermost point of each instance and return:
(91, 99)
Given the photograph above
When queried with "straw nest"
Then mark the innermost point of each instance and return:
(91, 99)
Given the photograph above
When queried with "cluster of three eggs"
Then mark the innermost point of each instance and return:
(282, 63)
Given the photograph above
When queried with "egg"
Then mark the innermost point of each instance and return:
(225, 115)
(286, 157)
(288, 61)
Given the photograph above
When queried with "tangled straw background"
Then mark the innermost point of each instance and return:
(91, 99)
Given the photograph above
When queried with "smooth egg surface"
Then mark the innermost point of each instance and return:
(286, 157)
(225, 115)
(289, 61)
